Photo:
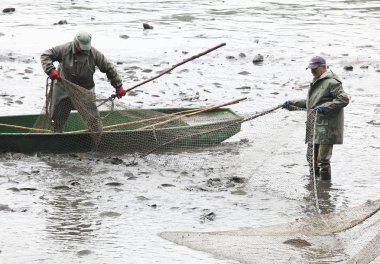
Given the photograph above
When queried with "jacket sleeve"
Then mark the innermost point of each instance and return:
(50, 56)
(301, 103)
(339, 98)
(108, 68)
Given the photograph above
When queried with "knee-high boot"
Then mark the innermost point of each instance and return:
(325, 170)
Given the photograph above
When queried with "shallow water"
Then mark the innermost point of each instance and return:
(82, 208)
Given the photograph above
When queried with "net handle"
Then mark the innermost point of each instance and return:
(209, 108)
(113, 96)
(176, 65)
(31, 129)
(140, 121)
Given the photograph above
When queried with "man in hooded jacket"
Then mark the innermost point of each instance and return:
(325, 98)
(77, 61)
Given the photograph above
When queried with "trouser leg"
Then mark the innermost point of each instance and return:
(60, 114)
(324, 157)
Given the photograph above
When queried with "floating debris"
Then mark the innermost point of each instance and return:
(4, 207)
(114, 184)
(208, 217)
(61, 187)
(214, 182)
(28, 189)
(84, 252)
(167, 185)
(142, 198)
(239, 192)
(61, 22)
(348, 68)
(297, 242)
(244, 88)
(244, 73)
(374, 122)
(237, 179)
(113, 160)
(110, 214)
(9, 10)
(258, 59)
(147, 26)
(13, 189)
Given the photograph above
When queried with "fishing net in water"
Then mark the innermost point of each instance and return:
(247, 152)
(84, 122)
(349, 236)
(269, 154)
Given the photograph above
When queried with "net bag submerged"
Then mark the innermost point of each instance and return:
(349, 236)
(101, 124)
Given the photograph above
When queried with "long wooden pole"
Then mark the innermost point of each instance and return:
(209, 108)
(176, 65)
(180, 114)
(150, 119)
(25, 128)
(140, 121)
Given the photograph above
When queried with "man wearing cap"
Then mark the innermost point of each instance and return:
(324, 102)
(77, 60)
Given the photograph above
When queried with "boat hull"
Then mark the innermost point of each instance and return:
(127, 140)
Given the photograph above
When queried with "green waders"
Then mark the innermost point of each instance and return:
(321, 161)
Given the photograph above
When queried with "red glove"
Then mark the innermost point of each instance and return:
(120, 92)
(54, 74)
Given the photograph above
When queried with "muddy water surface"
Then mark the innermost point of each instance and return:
(90, 208)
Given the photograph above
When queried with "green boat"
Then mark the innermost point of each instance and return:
(126, 131)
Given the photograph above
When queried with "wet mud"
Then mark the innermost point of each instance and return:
(93, 208)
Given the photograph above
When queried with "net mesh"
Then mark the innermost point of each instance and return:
(248, 153)
(274, 153)
(349, 236)
(85, 122)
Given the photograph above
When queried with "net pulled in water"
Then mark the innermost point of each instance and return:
(83, 122)
(349, 236)
(250, 152)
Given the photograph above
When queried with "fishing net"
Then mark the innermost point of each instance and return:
(268, 154)
(82, 122)
(349, 236)
(235, 153)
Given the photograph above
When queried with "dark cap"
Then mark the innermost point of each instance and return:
(315, 62)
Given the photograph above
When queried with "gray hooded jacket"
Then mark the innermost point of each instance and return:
(326, 91)
(77, 67)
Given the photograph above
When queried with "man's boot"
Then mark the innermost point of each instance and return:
(315, 170)
(325, 171)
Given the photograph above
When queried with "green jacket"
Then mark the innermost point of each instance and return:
(326, 91)
(77, 67)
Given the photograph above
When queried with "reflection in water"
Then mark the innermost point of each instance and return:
(323, 201)
(325, 197)
(64, 216)
(70, 212)
(67, 218)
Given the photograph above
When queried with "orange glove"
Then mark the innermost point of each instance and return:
(54, 74)
(120, 92)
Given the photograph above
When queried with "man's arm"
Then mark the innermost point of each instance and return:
(50, 56)
(108, 68)
(301, 103)
(340, 98)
